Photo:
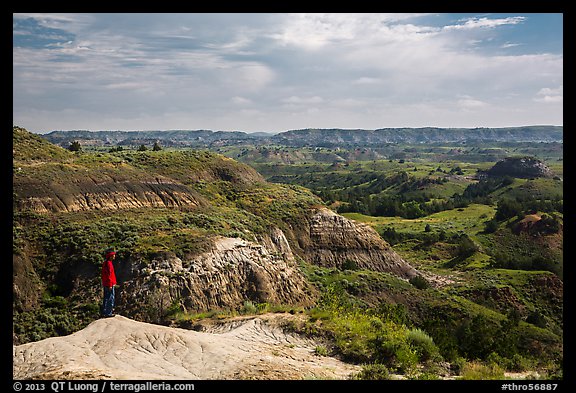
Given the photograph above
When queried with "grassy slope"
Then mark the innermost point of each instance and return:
(242, 205)
(238, 203)
(469, 219)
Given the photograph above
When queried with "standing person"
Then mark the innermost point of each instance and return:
(108, 282)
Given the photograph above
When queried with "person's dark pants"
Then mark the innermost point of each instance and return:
(108, 302)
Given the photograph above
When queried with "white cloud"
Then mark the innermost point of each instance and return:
(364, 80)
(509, 45)
(303, 100)
(241, 100)
(475, 23)
(550, 95)
(468, 103)
(315, 31)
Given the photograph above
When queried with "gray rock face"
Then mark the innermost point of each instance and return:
(232, 272)
(336, 241)
(520, 167)
(107, 194)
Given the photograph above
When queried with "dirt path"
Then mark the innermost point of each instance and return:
(121, 348)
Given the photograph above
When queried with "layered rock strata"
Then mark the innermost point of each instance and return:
(232, 272)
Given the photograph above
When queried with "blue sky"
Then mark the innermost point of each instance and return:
(276, 72)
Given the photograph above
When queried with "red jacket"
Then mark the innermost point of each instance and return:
(108, 275)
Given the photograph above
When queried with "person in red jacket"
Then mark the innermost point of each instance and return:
(108, 282)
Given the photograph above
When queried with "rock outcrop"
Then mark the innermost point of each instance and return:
(335, 241)
(48, 179)
(262, 271)
(254, 257)
(124, 349)
(112, 196)
(520, 167)
(232, 272)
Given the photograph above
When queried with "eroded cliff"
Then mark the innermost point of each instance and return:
(232, 272)
(336, 241)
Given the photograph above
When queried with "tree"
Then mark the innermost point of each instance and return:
(477, 337)
(466, 247)
(156, 147)
(412, 210)
(506, 209)
(491, 226)
(75, 146)
(142, 148)
(419, 282)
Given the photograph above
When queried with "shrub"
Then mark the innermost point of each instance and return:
(249, 308)
(349, 264)
(419, 282)
(75, 146)
(373, 372)
(391, 348)
(490, 226)
(479, 371)
(423, 344)
(397, 313)
(506, 209)
(477, 337)
(320, 350)
(466, 247)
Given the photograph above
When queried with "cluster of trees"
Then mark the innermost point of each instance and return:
(407, 200)
(398, 205)
(508, 208)
(403, 204)
(480, 337)
(388, 338)
(541, 261)
(156, 147)
(76, 146)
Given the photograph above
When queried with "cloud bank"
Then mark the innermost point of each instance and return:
(274, 72)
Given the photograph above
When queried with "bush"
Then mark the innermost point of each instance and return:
(477, 337)
(479, 371)
(419, 282)
(466, 247)
(491, 226)
(506, 209)
(249, 308)
(349, 264)
(320, 350)
(75, 146)
(423, 344)
(391, 348)
(397, 313)
(373, 372)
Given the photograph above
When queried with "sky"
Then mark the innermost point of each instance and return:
(277, 72)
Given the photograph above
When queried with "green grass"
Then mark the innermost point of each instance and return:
(467, 220)
(540, 188)
(480, 371)
(31, 147)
